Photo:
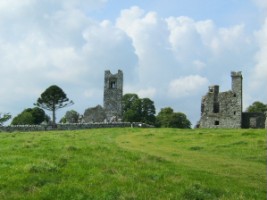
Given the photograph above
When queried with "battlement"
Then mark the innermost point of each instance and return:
(236, 74)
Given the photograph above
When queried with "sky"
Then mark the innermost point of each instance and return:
(169, 51)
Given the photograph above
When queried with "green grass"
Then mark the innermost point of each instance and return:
(125, 163)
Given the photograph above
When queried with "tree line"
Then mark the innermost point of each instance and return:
(134, 109)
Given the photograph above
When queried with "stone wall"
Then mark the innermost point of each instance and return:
(26, 128)
(223, 109)
(94, 114)
(253, 120)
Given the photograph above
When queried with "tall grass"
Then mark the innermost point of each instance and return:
(125, 163)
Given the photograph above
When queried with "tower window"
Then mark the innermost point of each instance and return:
(112, 84)
(216, 107)
(234, 94)
(216, 123)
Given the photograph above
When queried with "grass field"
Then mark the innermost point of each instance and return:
(125, 163)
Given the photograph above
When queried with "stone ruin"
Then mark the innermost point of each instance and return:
(224, 109)
(113, 92)
(95, 114)
(112, 109)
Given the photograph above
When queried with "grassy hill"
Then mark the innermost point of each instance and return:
(125, 163)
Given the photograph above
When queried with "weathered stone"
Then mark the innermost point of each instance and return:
(94, 114)
(253, 120)
(113, 91)
(224, 109)
(75, 126)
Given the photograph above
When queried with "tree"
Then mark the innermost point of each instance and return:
(39, 115)
(179, 120)
(257, 107)
(23, 119)
(52, 99)
(131, 108)
(148, 111)
(30, 116)
(71, 116)
(169, 119)
(164, 117)
(4, 117)
(138, 110)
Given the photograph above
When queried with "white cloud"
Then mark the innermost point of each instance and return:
(261, 3)
(147, 93)
(183, 36)
(199, 39)
(259, 73)
(199, 65)
(14, 6)
(187, 86)
(54, 48)
(149, 35)
(60, 42)
(141, 91)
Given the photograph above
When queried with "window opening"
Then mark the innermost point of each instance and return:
(112, 84)
(216, 108)
(211, 90)
(216, 123)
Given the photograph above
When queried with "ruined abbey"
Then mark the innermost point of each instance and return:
(224, 109)
(112, 109)
(218, 109)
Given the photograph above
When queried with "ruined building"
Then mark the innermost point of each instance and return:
(224, 109)
(112, 109)
(94, 114)
(113, 91)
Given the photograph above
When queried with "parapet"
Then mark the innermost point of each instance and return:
(236, 74)
(107, 72)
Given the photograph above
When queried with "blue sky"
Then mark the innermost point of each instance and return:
(223, 13)
(169, 51)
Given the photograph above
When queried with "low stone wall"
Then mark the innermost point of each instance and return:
(253, 120)
(78, 126)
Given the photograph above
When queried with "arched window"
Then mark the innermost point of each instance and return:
(112, 84)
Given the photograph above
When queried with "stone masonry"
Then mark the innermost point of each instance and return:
(113, 92)
(224, 109)
(94, 114)
(112, 108)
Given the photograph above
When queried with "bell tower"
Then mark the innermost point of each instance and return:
(113, 91)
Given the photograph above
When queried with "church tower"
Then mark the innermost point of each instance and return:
(113, 91)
